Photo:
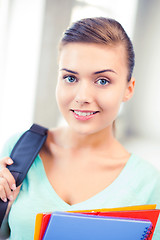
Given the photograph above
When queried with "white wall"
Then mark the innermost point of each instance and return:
(143, 112)
(28, 71)
(21, 41)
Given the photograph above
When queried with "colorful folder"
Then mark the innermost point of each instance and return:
(151, 215)
(38, 224)
(127, 208)
(137, 212)
(45, 221)
(71, 226)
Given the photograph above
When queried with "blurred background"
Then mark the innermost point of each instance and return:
(29, 34)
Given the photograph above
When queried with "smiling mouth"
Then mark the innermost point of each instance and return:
(84, 113)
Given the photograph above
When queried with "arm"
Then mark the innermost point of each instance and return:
(8, 191)
(4, 231)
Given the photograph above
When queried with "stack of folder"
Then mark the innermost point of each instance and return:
(127, 223)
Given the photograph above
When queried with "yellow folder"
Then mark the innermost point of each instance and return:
(37, 228)
(128, 208)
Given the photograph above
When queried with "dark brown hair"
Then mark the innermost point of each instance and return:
(101, 30)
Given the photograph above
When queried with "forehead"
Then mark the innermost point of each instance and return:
(92, 55)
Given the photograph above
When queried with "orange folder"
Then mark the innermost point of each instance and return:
(128, 208)
(38, 224)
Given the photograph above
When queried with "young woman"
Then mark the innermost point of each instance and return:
(83, 166)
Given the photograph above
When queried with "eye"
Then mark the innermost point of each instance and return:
(102, 81)
(70, 79)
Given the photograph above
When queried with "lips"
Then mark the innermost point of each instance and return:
(84, 115)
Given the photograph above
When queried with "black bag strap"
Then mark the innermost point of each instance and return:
(23, 154)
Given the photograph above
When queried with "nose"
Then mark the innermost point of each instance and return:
(84, 93)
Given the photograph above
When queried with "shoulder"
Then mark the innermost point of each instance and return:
(144, 167)
(142, 180)
(9, 144)
(56, 136)
(143, 174)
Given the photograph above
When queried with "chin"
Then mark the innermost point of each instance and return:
(87, 131)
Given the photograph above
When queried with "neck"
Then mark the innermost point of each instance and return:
(99, 139)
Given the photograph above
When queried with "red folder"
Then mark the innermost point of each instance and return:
(64, 225)
(44, 224)
(151, 215)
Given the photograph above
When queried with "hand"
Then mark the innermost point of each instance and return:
(8, 188)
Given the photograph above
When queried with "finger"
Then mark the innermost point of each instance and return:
(3, 194)
(6, 174)
(5, 191)
(16, 192)
(6, 161)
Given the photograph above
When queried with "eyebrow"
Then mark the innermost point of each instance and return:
(70, 71)
(97, 72)
(105, 70)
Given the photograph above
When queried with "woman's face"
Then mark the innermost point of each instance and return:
(92, 83)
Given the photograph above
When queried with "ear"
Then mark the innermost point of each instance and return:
(129, 90)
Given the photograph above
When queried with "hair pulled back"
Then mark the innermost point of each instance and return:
(101, 30)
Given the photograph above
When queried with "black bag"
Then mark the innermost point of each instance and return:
(23, 154)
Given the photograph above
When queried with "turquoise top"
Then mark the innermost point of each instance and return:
(137, 184)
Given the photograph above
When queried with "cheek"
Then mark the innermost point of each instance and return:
(59, 96)
(110, 102)
(63, 97)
